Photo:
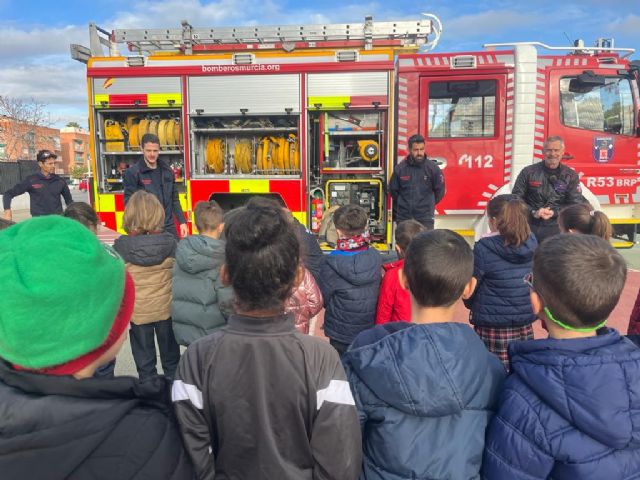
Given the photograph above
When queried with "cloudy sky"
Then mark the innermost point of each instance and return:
(35, 35)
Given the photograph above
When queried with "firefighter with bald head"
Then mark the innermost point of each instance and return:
(546, 187)
(416, 185)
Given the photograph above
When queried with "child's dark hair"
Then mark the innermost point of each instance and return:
(405, 231)
(582, 218)
(271, 201)
(579, 277)
(261, 255)
(84, 213)
(511, 217)
(5, 223)
(208, 216)
(438, 265)
(350, 219)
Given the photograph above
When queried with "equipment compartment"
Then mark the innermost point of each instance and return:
(118, 137)
(246, 145)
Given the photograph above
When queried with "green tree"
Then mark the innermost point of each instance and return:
(78, 172)
(73, 124)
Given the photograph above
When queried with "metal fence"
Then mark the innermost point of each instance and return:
(14, 172)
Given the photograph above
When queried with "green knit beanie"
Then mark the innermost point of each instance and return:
(61, 291)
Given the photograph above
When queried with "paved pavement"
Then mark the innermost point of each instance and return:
(619, 318)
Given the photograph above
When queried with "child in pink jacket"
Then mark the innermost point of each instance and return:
(305, 302)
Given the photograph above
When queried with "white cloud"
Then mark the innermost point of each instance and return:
(20, 44)
(630, 23)
(483, 24)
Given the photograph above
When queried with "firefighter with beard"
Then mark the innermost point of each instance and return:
(416, 185)
(547, 187)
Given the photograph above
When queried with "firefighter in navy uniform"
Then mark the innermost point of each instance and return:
(44, 188)
(155, 176)
(416, 185)
(547, 187)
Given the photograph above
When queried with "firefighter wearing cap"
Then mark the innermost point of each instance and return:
(44, 188)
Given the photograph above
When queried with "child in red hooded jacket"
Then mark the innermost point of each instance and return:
(393, 302)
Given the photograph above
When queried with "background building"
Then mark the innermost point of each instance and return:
(74, 143)
(21, 141)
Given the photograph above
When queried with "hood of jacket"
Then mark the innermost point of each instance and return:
(428, 378)
(359, 268)
(592, 383)
(393, 265)
(146, 250)
(199, 253)
(517, 255)
(65, 420)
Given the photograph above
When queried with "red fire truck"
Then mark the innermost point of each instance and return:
(485, 116)
(317, 115)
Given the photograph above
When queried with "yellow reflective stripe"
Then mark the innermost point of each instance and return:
(98, 98)
(107, 203)
(119, 217)
(301, 217)
(183, 202)
(624, 221)
(248, 186)
(162, 99)
(328, 102)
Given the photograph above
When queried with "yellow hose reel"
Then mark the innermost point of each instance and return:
(369, 150)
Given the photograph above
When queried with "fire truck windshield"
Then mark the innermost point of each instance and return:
(602, 108)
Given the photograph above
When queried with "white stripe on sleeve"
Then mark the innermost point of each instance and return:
(338, 391)
(185, 391)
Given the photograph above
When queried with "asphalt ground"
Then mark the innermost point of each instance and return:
(619, 318)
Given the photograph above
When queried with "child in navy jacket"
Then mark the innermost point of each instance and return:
(350, 279)
(500, 307)
(569, 407)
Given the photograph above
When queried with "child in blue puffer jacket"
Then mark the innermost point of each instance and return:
(570, 407)
(350, 279)
(425, 390)
(500, 306)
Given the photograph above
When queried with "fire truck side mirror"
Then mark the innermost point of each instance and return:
(585, 82)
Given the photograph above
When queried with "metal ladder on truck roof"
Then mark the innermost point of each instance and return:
(288, 37)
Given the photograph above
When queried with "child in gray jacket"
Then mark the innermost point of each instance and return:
(200, 301)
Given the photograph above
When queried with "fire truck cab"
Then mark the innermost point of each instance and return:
(485, 116)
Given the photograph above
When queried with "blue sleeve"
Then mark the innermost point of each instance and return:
(327, 283)
(66, 194)
(438, 182)
(394, 185)
(18, 189)
(512, 449)
(130, 184)
(177, 208)
(478, 271)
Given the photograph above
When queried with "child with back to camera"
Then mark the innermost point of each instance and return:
(68, 314)
(500, 306)
(569, 407)
(350, 279)
(258, 399)
(84, 213)
(425, 391)
(582, 218)
(149, 255)
(394, 304)
(201, 303)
